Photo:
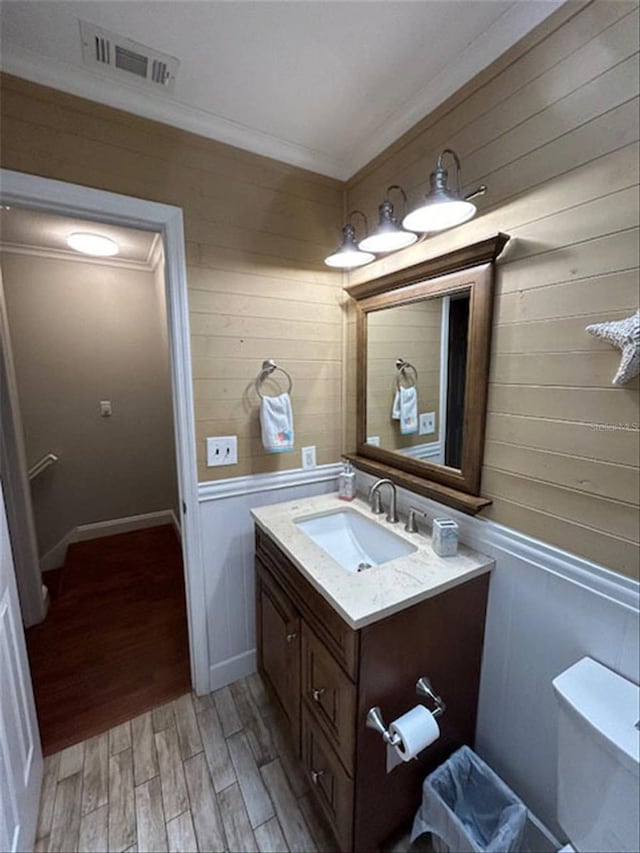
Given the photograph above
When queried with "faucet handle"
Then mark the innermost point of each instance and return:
(411, 526)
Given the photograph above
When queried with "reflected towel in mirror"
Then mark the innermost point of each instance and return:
(405, 409)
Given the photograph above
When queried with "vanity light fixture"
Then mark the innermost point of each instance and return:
(348, 255)
(389, 236)
(92, 244)
(443, 207)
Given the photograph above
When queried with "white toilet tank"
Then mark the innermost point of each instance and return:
(598, 758)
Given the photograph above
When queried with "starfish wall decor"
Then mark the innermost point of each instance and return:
(624, 334)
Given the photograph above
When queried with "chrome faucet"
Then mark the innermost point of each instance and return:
(376, 501)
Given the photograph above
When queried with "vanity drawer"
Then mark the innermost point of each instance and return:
(330, 696)
(338, 637)
(331, 785)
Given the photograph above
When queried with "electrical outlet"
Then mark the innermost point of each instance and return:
(105, 409)
(427, 423)
(309, 456)
(373, 440)
(222, 450)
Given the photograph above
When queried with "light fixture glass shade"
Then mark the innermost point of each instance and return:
(92, 244)
(389, 236)
(441, 209)
(348, 255)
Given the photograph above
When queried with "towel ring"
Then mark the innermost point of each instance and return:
(402, 366)
(268, 367)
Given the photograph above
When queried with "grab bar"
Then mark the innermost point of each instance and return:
(41, 465)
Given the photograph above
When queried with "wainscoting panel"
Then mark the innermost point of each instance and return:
(228, 555)
(547, 609)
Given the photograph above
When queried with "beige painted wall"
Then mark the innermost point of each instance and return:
(81, 333)
(412, 332)
(552, 129)
(256, 230)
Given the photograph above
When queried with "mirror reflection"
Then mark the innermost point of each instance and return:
(416, 369)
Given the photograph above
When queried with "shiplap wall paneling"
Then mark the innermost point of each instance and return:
(554, 134)
(256, 232)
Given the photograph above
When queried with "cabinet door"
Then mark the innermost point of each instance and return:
(330, 696)
(278, 635)
(331, 786)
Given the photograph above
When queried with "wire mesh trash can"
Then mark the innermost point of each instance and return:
(468, 809)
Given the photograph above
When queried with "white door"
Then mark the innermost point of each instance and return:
(20, 752)
(13, 464)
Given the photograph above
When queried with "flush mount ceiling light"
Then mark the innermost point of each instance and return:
(348, 255)
(92, 244)
(443, 207)
(389, 236)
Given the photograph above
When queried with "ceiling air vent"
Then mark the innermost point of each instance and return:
(121, 57)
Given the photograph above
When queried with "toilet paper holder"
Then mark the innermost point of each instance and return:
(375, 720)
(424, 688)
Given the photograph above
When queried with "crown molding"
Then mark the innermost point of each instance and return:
(62, 255)
(84, 83)
(510, 27)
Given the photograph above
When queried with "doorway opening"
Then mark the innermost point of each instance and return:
(89, 342)
(162, 226)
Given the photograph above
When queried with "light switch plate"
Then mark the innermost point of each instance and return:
(374, 440)
(105, 409)
(427, 423)
(309, 456)
(222, 450)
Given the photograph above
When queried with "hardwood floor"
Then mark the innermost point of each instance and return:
(115, 641)
(210, 773)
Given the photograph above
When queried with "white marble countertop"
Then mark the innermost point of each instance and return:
(362, 598)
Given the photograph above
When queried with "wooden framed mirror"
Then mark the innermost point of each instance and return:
(423, 344)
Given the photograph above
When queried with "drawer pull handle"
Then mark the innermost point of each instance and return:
(316, 693)
(315, 776)
(291, 637)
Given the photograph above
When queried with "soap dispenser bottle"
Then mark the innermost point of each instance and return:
(347, 483)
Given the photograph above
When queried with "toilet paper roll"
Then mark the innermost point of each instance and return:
(417, 729)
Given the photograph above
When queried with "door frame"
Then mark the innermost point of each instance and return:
(65, 199)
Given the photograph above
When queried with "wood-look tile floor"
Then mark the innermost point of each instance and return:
(198, 773)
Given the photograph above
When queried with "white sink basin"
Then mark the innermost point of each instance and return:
(353, 540)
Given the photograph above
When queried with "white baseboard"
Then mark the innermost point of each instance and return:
(228, 671)
(176, 525)
(55, 557)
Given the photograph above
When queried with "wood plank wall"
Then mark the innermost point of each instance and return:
(256, 231)
(552, 129)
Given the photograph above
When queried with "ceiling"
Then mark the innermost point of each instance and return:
(46, 234)
(324, 84)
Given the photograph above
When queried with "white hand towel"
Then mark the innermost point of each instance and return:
(408, 410)
(395, 408)
(276, 420)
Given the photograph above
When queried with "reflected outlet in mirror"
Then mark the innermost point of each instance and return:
(352, 540)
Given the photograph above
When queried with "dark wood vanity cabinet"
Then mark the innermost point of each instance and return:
(326, 676)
